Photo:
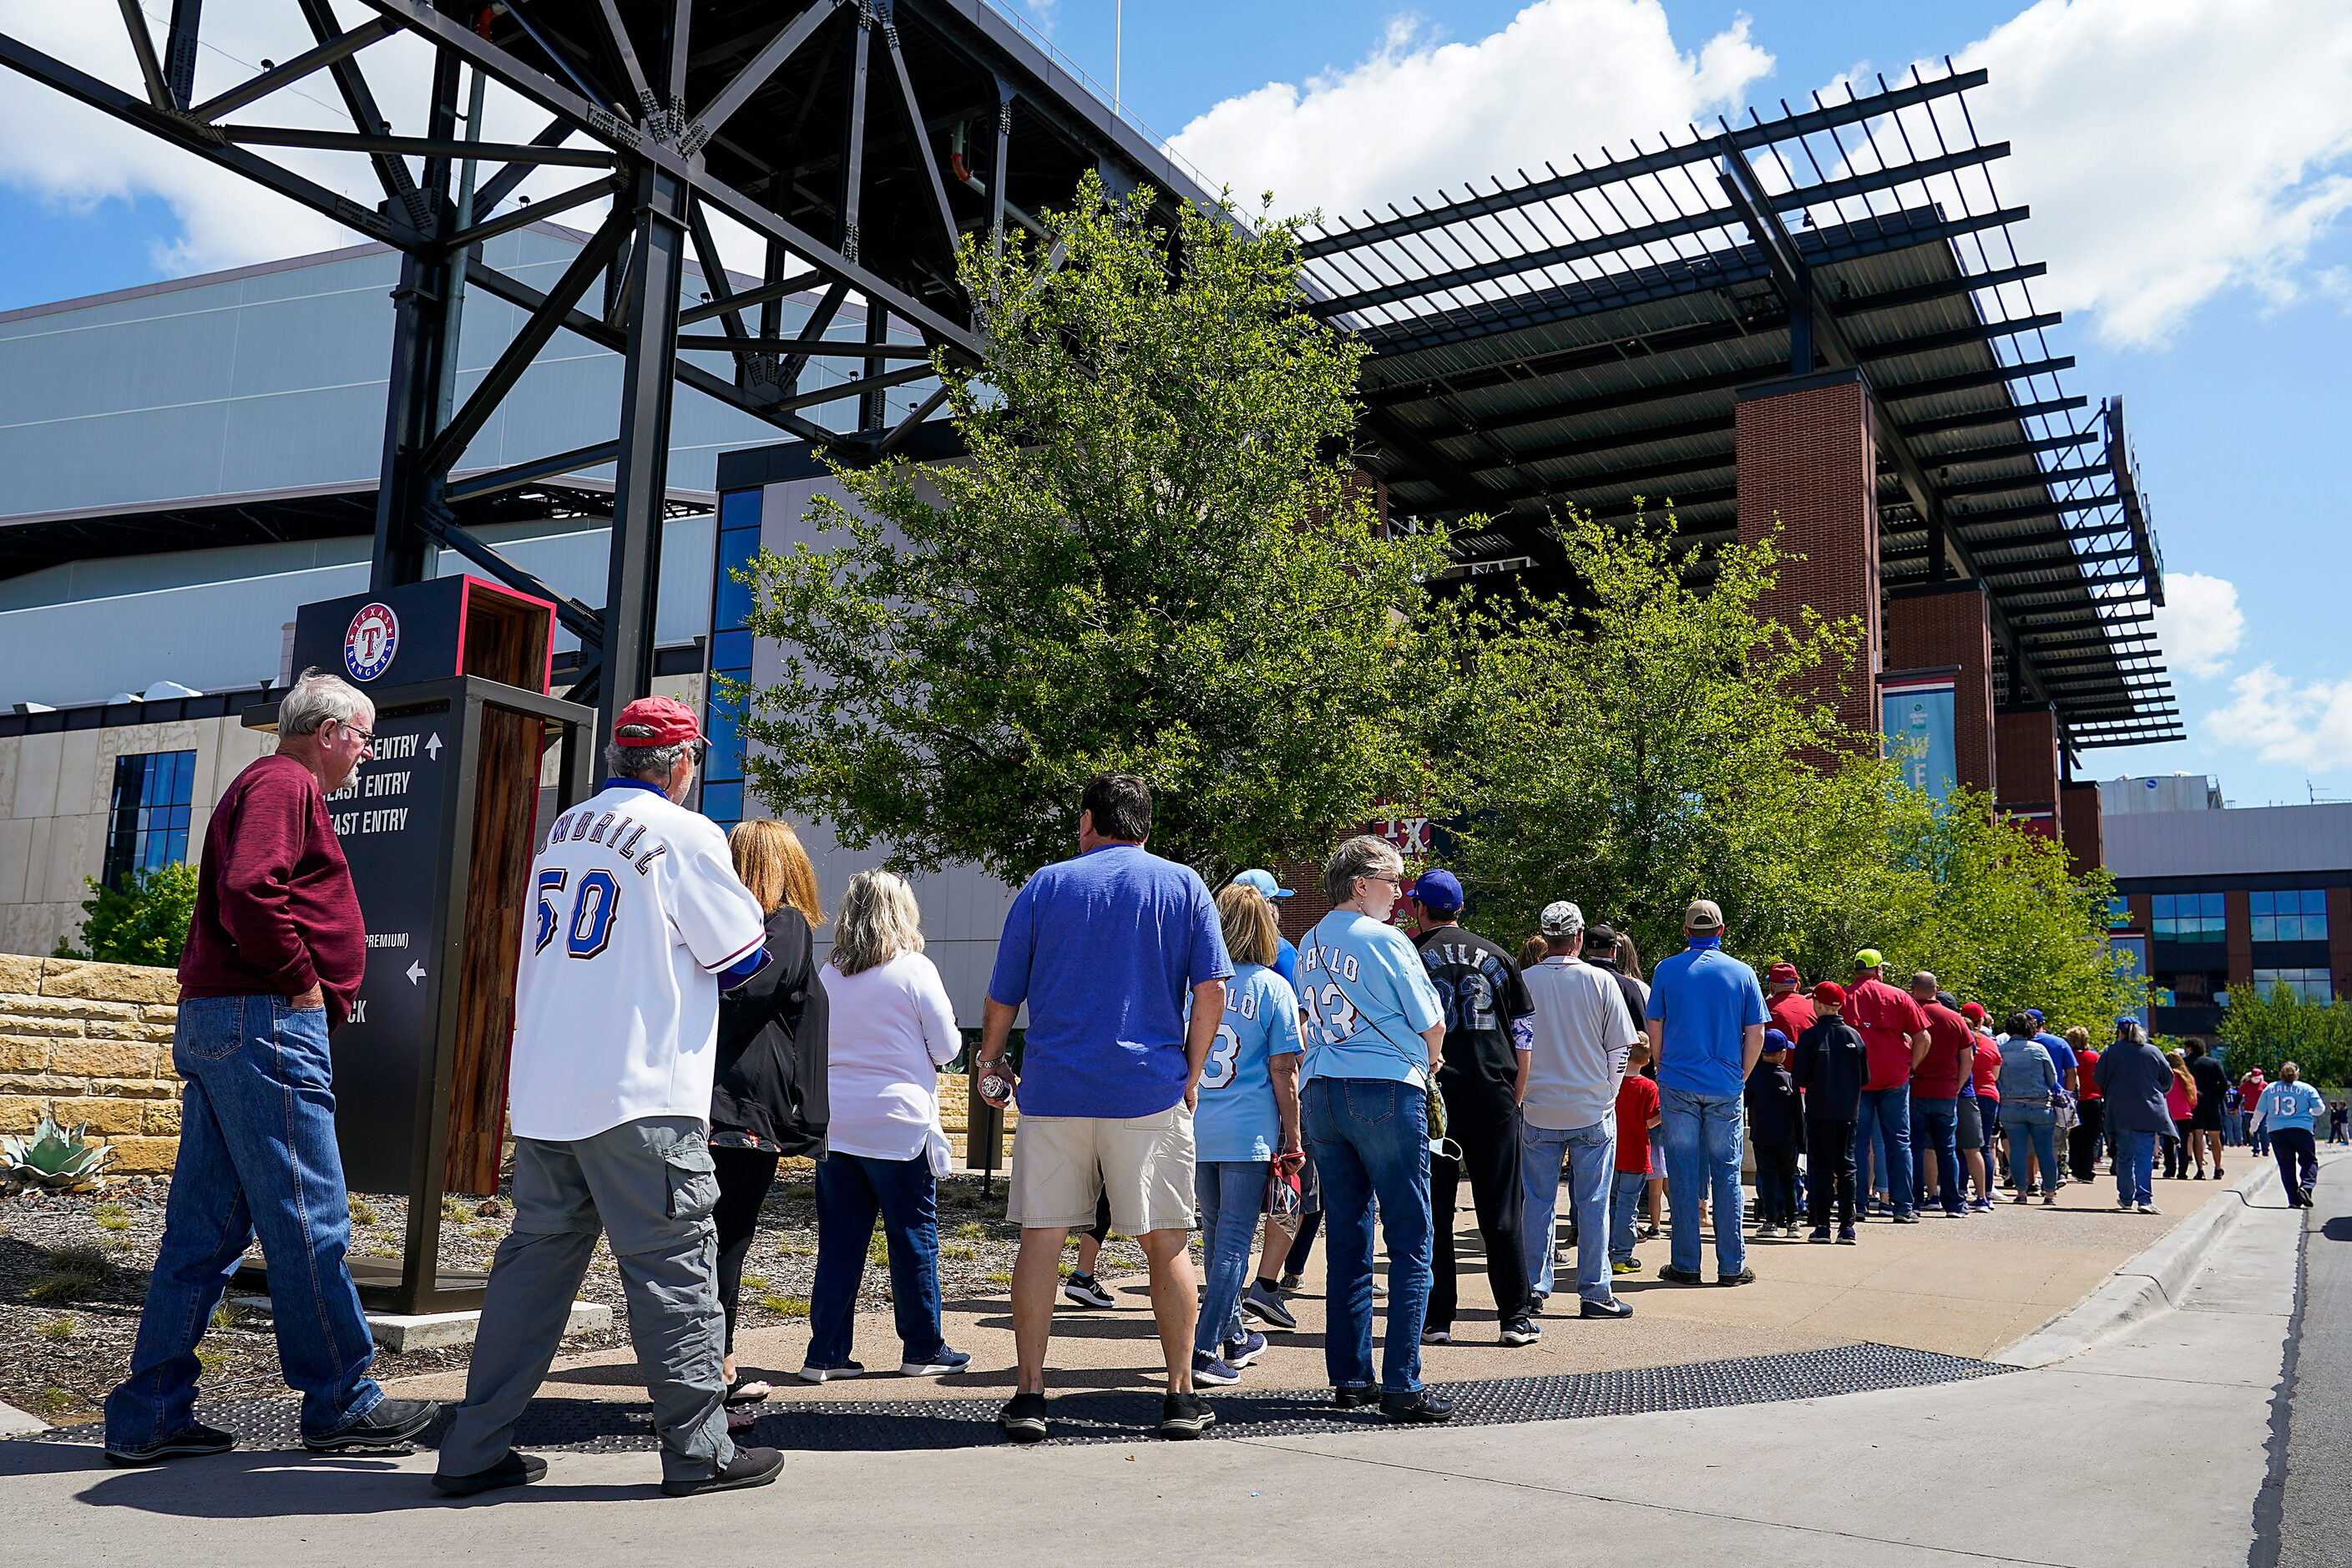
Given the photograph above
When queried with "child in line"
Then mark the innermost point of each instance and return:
(1776, 1125)
(1831, 1066)
(1637, 1112)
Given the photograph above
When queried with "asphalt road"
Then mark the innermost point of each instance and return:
(2304, 1519)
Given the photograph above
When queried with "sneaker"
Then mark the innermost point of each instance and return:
(1023, 1419)
(1292, 1281)
(1354, 1398)
(1907, 1216)
(1535, 1303)
(194, 1439)
(391, 1424)
(811, 1373)
(1615, 1307)
(2022, 1198)
(1085, 1290)
(1845, 1235)
(2197, 1177)
(1648, 1233)
(1521, 1331)
(1420, 1407)
(1821, 1234)
(1745, 1277)
(1437, 1336)
(1982, 1205)
(1185, 1415)
(1241, 1352)
(749, 1467)
(1213, 1371)
(1673, 1276)
(1625, 1266)
(2148, 1209)
(514, 1471)
(1267, 1307)
(938, 1364)
(2050, 1200)
(1790, 1231)
(1380, 1286)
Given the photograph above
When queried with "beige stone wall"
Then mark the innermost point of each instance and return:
(55, 791)
(92, 1043)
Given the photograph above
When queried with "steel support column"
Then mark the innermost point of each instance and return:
(641, 474)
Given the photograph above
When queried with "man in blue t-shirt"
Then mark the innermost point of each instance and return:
(1107, 950)
(1707, 1019)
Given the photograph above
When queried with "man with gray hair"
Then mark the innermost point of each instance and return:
(1569, 1076)
(639, 922)
(275, 954)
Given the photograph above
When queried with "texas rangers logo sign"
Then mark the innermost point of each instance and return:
(369, 646)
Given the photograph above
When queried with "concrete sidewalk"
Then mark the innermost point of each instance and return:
(2147, 1450)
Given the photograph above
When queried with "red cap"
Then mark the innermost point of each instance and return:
(1830, 993)
(1972, 1011)
(1782, 973)
(655, 722)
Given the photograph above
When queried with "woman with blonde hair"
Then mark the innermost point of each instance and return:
(894, 1029)
(768, 1099)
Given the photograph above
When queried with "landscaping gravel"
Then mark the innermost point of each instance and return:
(74, 1269)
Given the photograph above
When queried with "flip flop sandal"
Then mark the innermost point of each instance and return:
(748, 1391)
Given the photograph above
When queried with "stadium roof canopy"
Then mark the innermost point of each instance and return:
(1578, 338)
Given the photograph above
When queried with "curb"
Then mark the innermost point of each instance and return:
(2146, 1285)
(15, 1423)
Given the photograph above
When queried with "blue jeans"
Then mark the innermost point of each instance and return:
(1371, 1138)
(2034, 1128)
(1887, 1114)
(1703, 1134)
(1232, 1194)
(1626, 1188)
(851, 1191)
(1591, 1156)
(2134, 1168)
(257, 1156)
(1936, 1127)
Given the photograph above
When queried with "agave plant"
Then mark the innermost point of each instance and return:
(52, 1159)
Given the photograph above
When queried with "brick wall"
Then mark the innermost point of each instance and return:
(2026, 763)
(2078, 816)
(1927, 628)
(1808, 457)
(92, 1043)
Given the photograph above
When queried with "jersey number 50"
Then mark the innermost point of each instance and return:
(590, 929)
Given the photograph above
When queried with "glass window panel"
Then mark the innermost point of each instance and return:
(730, 603)
(723, 802)
(2265, 928)
(726, 742)
(740, 508)
(730, 650)
(147, 824)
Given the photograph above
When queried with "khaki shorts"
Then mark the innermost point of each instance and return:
(1061, 1165)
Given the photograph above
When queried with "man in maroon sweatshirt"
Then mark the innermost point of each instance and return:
(274, 955)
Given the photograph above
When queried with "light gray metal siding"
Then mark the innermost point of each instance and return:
(2248, 841)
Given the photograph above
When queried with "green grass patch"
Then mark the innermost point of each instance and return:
(211, 1358)
(800, 1192)
(111, 1217)
(1001, 1279)
(53, 1401)
(56, 1329)
(959, 1253)
(457, 1209)
(72, 1274)
(786, 1305)
(362, 1211)
(969, 1230)
(755, 1282)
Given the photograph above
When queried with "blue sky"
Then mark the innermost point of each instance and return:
(2190, 162)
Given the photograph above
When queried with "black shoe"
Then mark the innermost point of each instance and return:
(1908, 1217)
(1521, 1331)
(1353, 1398)
(1023, 1419)
(1185, 1415)
(514, 1471)
(1673, 1276)
(1418, 1408)
(1821, 1234)
(1745, 1277)
(391, 1424)
(1085, 1290)
(197, 1438)
(1616, 1307)
(749, 1467)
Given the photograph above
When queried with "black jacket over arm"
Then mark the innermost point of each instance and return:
(771, 1045)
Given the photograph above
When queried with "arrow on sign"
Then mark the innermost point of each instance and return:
(433, 747)
(416, 971)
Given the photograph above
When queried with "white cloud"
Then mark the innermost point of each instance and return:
(2308, 725)
(2170, 149)
(75, 156)
(1565, 77)
(2199, 624)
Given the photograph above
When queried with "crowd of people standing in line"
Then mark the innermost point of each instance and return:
(677, 1036)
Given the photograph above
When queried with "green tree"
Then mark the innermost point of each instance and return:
(1644, 740)
(2265, 1030)
(1154, 560)
(143, 920)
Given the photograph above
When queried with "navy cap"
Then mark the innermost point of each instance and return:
(1774, 1040)
(1439, 891)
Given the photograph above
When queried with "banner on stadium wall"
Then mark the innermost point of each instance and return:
(1914, 715)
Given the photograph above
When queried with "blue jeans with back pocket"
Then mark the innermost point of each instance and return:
(257, 1157)
(1371, 1138)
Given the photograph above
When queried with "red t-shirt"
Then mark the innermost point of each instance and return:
(1887, 1019)
(1988, 1068)
(1937, 1076)
(2087, 1062)
(1793, 1014)
(1637, 1101)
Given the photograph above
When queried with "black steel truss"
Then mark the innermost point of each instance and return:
(821, 125)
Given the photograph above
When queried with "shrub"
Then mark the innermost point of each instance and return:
(143, 921)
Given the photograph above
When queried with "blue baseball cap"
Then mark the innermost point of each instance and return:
(2034, 1013)
(1440, 891)
(1774, 1040)
(1264, 883)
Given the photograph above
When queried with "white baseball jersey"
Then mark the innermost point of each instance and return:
(635, 911)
